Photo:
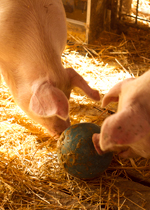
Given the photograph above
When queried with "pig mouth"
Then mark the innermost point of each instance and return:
(99, 151)
(125, 152)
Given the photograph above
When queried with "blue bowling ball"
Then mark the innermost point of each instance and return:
(76, 152)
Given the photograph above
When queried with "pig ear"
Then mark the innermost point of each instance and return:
(124, 128)
(113, 94)
(48, 101)
(77, 81)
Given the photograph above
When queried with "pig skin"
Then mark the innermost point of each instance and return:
(33, 36)
(127, 132)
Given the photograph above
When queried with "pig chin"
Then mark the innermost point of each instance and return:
(56, 126)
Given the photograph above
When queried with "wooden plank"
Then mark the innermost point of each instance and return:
(132, 195)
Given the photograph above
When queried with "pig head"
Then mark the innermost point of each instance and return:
(32, 38)
(128, 131)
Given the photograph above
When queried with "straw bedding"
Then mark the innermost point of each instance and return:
(30, 174)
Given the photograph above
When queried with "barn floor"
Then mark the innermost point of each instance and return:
(30, 175)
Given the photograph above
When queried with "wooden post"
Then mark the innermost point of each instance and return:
(97, 19)
(88, 28)
(114, 6)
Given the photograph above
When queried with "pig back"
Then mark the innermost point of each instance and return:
(32, 36)
(35, 29)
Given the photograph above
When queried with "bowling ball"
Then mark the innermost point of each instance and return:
(76, 152)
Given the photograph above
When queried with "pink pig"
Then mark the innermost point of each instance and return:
(33, 36)
(128, 131)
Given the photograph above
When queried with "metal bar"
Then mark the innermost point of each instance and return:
(139, 18)
(146, 28)
(136, 17)
(120, 9)
(114, 4)
(137, 7)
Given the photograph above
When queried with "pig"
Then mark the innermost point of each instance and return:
(127, 132)
(33, 36)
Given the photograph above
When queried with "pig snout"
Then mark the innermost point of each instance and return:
(56, 126)
(96, 142)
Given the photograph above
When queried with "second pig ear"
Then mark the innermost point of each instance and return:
(113, 94)
(48, 101)
(77, 81)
